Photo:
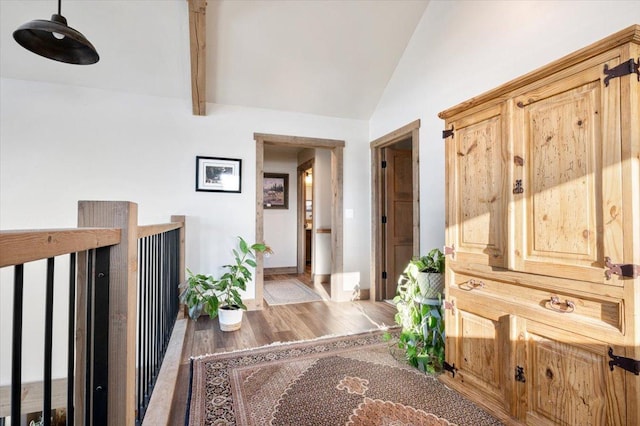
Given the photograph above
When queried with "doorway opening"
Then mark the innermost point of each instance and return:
(395, 207)
(335, 149)
(305, 217)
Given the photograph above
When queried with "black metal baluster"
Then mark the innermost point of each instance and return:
(175, 256)
(154, 312)
(16, 348)
(167, 288)
(71, 330)
(101, 337)
(48, 343)
(139, 347)
(88, 378)
(161, 305)
(157, 308)
(146, 322)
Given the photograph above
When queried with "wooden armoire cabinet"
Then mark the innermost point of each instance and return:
(543, 230)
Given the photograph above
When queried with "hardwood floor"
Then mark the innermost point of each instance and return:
(282, 323)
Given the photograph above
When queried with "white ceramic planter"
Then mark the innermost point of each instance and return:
(431, 284)
(230, 319)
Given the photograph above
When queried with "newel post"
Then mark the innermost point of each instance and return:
(123, 271)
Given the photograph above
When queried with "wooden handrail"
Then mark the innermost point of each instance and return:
(148, 230)
(22, 246)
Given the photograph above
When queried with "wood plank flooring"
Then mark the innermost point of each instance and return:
(282, 323)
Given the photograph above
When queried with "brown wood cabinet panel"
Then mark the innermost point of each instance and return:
(572, 311)
(476, 159)
(570, 209)
(482, 348)
(570, 383)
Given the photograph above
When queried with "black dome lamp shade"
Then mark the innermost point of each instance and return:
(55, 40)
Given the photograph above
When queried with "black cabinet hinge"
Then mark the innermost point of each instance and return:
(625, 68)
(450, 368)
(384, 219)
(384, 275)
(384, 164)
(631, 365)
(625, 270)
(447, 133)
(520, 374)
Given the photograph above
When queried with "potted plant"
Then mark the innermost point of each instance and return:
(430, 273)
(419, 305)
(222, 297)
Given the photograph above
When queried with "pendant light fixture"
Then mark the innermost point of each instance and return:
(55, 40)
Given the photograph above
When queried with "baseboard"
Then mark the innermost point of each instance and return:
(364, 294)
(321, 278)
(281, 271)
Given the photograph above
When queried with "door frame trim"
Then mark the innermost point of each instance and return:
(411, 130)
(336, 147)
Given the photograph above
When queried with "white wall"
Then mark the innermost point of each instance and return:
(61, 144)
(281, 225)
(461, 49)
(321, 254)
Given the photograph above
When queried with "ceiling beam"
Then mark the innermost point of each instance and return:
(198, 38)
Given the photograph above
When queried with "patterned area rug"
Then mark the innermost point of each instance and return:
(284, 292)
(348, 380)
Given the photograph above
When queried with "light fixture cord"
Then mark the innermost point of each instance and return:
(60, 7)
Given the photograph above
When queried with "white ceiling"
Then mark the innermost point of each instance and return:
(314, 56)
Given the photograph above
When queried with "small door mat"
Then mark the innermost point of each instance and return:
(285, 292)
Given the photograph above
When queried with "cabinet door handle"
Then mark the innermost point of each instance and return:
(565, 307)
(476, 284)
(471, 285)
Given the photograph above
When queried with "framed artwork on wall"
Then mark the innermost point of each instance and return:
(275, 191)
(216, 174)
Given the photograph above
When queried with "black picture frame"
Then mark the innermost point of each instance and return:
(218, 174)
(275, 191)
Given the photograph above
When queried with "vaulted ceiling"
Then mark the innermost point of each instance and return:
(313, 56)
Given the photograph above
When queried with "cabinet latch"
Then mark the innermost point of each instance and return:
(520, 374)
(626, 270)
(517, 187)
(450, 368)
(447, 133)
(629, 67)
(631, 365)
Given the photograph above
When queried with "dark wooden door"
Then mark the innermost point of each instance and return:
(398, 209)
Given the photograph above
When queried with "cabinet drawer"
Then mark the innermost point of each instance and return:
(599, 316)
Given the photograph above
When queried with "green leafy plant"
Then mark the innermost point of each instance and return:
(431, 262)
(422, 335)
(203, 293)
